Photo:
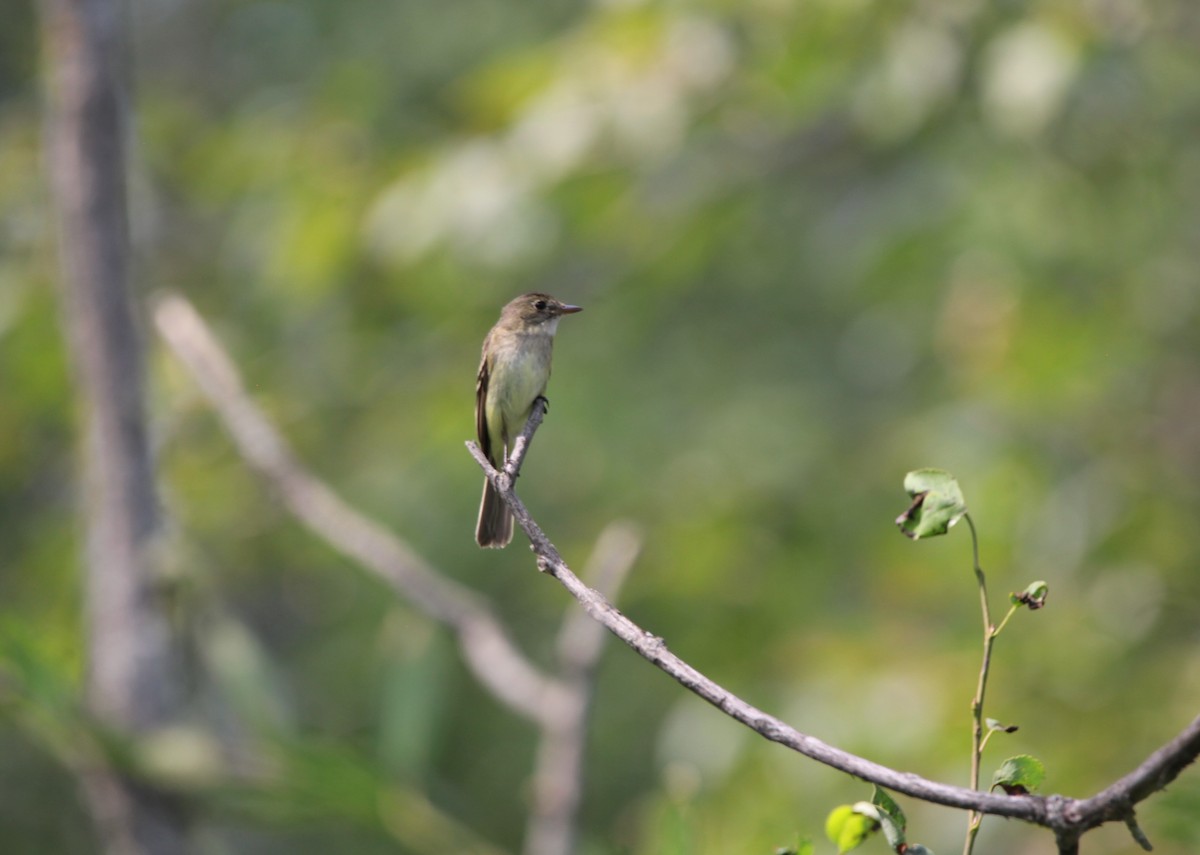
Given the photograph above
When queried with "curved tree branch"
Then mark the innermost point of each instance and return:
(1116, 802)
(497, 663)
(1068, 818)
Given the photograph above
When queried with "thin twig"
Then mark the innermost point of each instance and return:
(974, 818)
(491, 655)
(512, 466)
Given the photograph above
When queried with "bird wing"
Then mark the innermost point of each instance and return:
(481, 392)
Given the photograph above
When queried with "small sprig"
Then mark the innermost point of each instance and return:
(937, 504)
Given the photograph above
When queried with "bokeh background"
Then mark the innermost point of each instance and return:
(819, 244)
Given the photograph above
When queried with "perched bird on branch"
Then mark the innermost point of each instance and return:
(513, 374)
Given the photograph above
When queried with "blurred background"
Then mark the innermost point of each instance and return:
(819, 244)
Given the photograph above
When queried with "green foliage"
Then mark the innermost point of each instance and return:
(816, 243)
(1033, 597)
(1020, 774)
(891, 818)
(937, 504)
(848, 826)
(39, 695)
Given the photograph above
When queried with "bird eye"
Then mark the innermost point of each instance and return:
(540, 305)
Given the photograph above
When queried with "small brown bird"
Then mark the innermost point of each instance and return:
(512, 375)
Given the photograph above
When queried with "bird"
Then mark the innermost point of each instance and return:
(513, 372)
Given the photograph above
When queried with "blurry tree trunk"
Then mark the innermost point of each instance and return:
(131, 684)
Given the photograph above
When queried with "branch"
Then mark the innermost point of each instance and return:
(1067, 817)
(133, 678)
(654, 649)
(512, 466)
(542, 699)
(975, 820)
(489, 653)
(1155, 773)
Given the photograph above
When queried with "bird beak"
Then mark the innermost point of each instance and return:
(569, 310)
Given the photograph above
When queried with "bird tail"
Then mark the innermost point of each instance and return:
(494, 529)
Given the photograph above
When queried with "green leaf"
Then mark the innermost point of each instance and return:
(937, 504)
(891, 817)
(1033, 596)
(1019, 775)
(883, 800)
(849, 825)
